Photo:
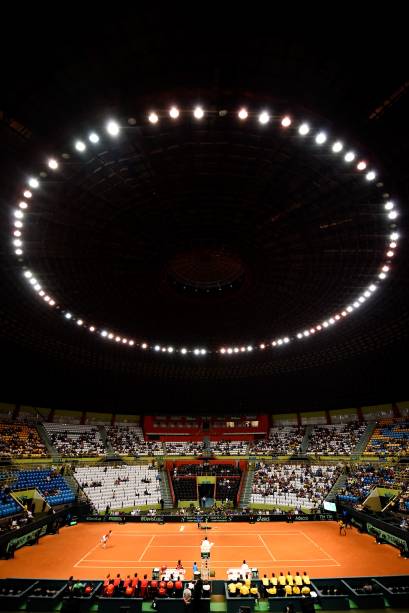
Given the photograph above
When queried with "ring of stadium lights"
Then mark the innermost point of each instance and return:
(305, 131)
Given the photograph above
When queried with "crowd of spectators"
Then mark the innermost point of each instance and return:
(362, 478)
(221, 470)
(390, 438)
(20, 441)
(184, 448)
(283, 440)
(166, 586)
(129, 440)
(280, 585)
(293, 485)
(73, 440)
(229, 447)
(340, 439)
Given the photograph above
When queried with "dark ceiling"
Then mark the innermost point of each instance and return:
(203, 233)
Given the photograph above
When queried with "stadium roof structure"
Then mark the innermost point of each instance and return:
(210, 233)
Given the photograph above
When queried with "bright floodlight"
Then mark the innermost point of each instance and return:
(33, 182)
(19, 214)
(196, 351)
(264, 117)
(17, 242)
(304, 129)
(153, 117)
(17, 233)
(203, 351)
(183, 351)
(389, 205)
(174, 112)
(80, 146)
(79, 322)
(93, 137)
(68, 315)
(170, 349)
(361, 165)
(18, 224)
(370, 176)
(112, 128)
(157, 348)
(299, 335)
(23, 205)
(337, 147)
(243, 114)
(394, 236)
(320, 138)
(92, 328)
(27, 193)
(286, 121)
(132, 343)
(198, 112)
(392, 214)
(350, 156)
(104, 333)
(382, 275)
(28, 274)
(53, 164)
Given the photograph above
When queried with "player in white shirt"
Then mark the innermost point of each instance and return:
(105, 538)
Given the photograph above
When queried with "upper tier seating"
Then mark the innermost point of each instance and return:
(183, 448)
(293, 485)
(119, 487)
(20, 441)
(74, 440)
(129, 440)
(340, 439)
(390, 437)
(282, 440)
(229, 447)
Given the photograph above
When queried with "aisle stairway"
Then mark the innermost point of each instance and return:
(247, 486)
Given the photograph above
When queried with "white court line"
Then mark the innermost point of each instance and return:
(224, 567)
(268, 548)
(87, 554)
(146, 548)
(320, 548)
(195, 546)
(228, 533)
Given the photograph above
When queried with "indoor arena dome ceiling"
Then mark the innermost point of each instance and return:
(218, 249)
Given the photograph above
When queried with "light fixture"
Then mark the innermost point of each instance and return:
(198, 113)
(370, 176)
(112, 128)
(93, 138)
(53, 164)
(337, 146)
(264, 117)
(320, 138)
(80, 146)
(174, 112)
(33, 182)
(243, 114)
(304, 129)
(27, 194)
(349, 157)
(286, 121)
(153, 117)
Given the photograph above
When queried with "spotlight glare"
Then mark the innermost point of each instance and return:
(370, 176)
(170, 349)
(80, 146)
(236, 350)
(304, 129)
(243, 114)
(203, 351)
(53, 164)
(42, 293)
(52, 302)
(382, 275)
(23, 205)
(33, 182)
(79, 322)
(385, 268)
(196, 351)
(28, 274)
(27, 193)
(144, 346)
(286, 121)
(350, 156)
(337, 147)
(392, 214)
(19, 214)
(299, 335)
(17, 242)
(264, 117)
(174, 112)
(93, 138)
(389, 205)
(104, 333)
(394, 236)
(249, 348)
(320, 138)
(372, 288)
(361, 165)
(157, 348)
(390, 254)
(262, 346)
(110, 336)
(132, 343)
(198, 113)
(392, 245)
(112, 128)
(153, 117)
(67, 315)
(92, 329)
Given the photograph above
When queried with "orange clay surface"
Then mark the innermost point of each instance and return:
(315, 547)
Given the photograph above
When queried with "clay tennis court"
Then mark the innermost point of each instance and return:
(312, 546)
